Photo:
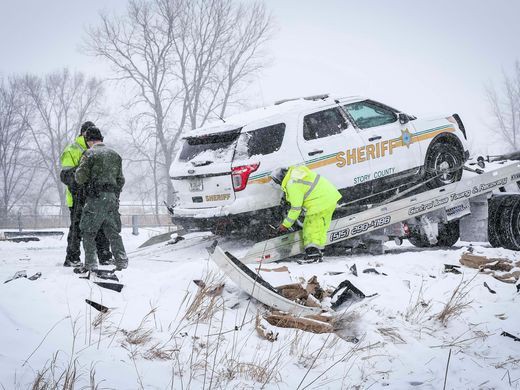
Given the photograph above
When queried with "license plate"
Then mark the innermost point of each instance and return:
(196, 185)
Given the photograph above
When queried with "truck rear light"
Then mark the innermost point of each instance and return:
(240, 175)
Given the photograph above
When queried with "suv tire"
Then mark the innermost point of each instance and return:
(444, 164)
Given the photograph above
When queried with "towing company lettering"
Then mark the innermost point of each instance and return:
(459, 209)
(360, 228)
(427, 206)
(484, 187)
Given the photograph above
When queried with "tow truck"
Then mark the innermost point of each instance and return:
(483, 206)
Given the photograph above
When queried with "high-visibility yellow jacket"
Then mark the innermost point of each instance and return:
(306, 189)
(70, 159)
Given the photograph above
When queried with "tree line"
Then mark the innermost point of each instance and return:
(180, 63)
(177, 64)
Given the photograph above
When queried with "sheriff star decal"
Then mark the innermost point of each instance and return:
(406, 137)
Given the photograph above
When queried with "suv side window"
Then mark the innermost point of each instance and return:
(265, 140)
(368, 114)
(323, 124)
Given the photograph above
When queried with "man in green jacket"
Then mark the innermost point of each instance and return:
(100, 171)
(306, 190)
(75, 198)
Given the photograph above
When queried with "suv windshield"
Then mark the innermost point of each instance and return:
(368, 114)
(211, 147)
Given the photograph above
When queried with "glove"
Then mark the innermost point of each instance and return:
(282, 229)
(67, 176)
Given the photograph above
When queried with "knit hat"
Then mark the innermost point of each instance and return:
(85, 126)
(93, 134)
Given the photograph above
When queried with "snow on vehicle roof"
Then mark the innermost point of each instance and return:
(264, 113)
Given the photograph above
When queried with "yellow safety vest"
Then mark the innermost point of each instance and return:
(70, 159)
(306, 189)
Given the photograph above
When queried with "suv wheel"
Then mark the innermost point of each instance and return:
(444, 164)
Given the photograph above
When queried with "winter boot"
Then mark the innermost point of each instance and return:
(313, 255)
(121, 264)
(72, 262)
(109, 261)
(83, 269)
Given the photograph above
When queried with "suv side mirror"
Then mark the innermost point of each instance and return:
(403, 118)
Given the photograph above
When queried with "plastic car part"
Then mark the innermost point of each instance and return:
(240, 175)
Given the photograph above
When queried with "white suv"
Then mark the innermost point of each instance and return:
(367, 149)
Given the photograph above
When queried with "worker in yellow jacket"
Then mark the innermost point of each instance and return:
(75, 198)
(306, 190)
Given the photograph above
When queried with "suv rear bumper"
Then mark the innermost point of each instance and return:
(210, 212)
(219, 221)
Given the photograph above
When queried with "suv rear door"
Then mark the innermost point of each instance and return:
(201, 174)
(260, 149)
(330, 145)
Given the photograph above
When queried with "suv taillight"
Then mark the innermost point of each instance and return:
(240, 175)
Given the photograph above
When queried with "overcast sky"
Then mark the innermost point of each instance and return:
(424, 57)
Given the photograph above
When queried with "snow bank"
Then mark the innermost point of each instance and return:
(154, 335)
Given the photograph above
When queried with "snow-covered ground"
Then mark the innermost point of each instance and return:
(153, 338)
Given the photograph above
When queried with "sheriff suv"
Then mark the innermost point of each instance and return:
(367, 149)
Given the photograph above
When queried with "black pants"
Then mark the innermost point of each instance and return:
(74, 237)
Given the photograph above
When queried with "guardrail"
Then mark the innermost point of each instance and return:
(27, 221)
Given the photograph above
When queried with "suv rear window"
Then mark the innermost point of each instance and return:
(211, 147)
(262, 141)
(323, 124)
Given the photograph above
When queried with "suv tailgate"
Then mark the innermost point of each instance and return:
(201, 174)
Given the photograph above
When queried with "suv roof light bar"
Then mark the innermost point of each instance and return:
(312, 97)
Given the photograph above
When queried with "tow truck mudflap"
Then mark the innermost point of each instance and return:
(253, 284)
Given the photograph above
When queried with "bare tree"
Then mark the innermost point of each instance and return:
(187, 60)
(505, 107)
(17, 168)
(143, 157)
(62, 101)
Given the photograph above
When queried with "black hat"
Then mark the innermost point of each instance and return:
(85, 126)
(93, 134)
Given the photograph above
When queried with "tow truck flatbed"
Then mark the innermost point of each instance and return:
(453, 197)
(453, 200)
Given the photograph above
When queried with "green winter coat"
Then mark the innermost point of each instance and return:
(70, 159)
(306, 189)
(100, 170)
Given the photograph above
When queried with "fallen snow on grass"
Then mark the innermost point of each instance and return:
(162, 332)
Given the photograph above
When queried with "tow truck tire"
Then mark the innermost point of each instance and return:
(509, 223)
(440, 155)
(495, 210)
(449, 234)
